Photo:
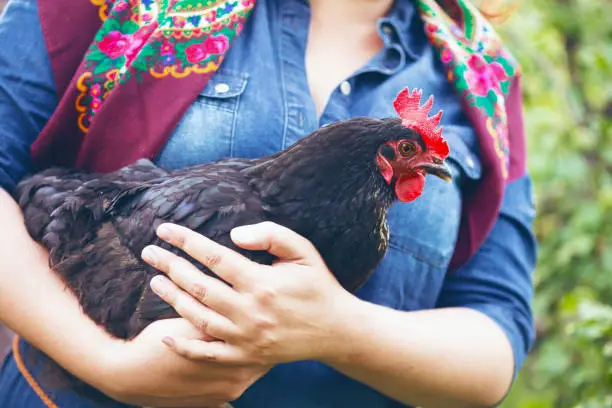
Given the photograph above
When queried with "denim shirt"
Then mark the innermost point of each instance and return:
(259, 103)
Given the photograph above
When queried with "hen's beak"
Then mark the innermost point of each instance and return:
(439, 170)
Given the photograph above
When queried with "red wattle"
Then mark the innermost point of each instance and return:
(409, 188)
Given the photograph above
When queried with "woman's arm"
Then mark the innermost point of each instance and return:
(468, 351)
(435, 358)
(460, 355)
(35, 304)
(33, 301)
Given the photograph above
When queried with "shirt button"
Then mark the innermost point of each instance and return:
(387, 29)
(470, 162)
(345, 88)
(222, 88)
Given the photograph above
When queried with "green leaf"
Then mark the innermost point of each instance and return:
(486, 104)
(103, 66)
(129, 27)
(505, 87)
(140, 64)
(95, 55)
(150, 50)
(118, 63)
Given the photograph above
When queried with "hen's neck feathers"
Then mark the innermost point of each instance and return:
(333, 169)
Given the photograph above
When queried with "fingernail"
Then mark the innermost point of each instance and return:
(164, 232)
(168, 341)
(243, 234)
(149, 255)
(159, 285)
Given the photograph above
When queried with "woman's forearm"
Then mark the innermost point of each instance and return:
(434, 359)
(35, 303)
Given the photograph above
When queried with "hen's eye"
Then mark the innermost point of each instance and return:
(406, 149)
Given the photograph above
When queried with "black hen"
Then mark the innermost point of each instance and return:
(333, 187)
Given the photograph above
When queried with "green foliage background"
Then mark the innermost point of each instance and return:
(565, 49)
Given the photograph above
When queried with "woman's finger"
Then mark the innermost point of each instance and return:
(286, 244)
(211, 351)
(212, 292)
(227, 264)
(205, 320)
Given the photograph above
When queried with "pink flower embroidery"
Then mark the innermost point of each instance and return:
(195, 53)
(446, 55)
(95, 90)
(138, 40)
(121, 5)
(179, 22)
(95, 104)
(210, 17)
(431, 28)
(216, 45)
(167, 48)
(212, 45)
(114, 44)
(482, 77)
(146, 17)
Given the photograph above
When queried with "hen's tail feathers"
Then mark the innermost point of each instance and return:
(39, 195)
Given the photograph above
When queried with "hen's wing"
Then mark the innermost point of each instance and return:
(211, 204)
(96, 237)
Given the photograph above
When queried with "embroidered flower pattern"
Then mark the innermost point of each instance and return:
(114, 44)
(213, 45)
(157, 38)
(477, 63)
(482, 76)
(167, 48)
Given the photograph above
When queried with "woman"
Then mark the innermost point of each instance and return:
(430, 328)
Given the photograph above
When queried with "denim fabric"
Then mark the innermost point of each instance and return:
(16, 392)
(258, 103)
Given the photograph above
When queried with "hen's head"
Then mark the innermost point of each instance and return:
(338, 160)
(415, 149)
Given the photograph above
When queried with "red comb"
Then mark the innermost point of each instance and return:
(415, 117)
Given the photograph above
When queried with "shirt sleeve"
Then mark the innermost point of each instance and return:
(27, 88)
(497, 280)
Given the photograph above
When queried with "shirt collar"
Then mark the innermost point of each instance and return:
(400, 27)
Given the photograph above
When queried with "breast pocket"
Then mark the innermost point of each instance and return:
(422, 238)
(207, 130)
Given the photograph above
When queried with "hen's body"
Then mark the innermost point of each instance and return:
(326, 188)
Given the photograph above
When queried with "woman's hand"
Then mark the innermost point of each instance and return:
(144, 372)
(270, 314)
